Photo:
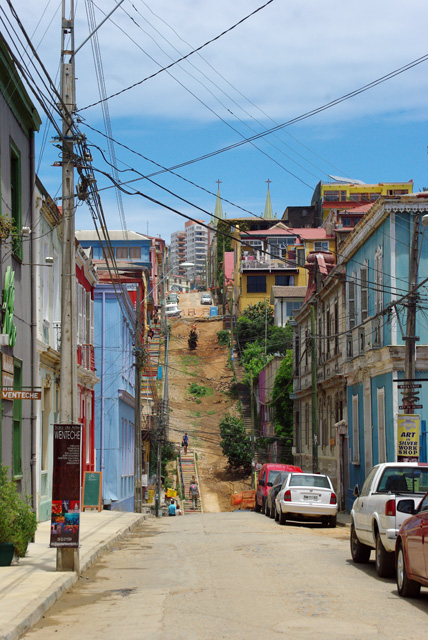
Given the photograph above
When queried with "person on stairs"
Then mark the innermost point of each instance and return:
(194, 493)
(172, 508)
(185, 442)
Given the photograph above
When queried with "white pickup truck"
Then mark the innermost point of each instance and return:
(389, 495)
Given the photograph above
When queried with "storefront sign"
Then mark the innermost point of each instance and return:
(408, 438)
(65, 518)
(6, 380)
(20, 395)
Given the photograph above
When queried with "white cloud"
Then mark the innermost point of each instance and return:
(288, 58)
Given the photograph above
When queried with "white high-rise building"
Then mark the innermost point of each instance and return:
(197, 249)
(177, 253)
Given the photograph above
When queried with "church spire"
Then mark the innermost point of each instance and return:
(268, 214)
(218, 213)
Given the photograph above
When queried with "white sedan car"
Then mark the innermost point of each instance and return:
(307, 496)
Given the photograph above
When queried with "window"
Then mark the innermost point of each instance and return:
(381, 424)
(368, 482)
(300, 257)
(321, 246)
(378, 294)
(336, 328)
(122, 253)
(135, 252)
(16, 198)
(352, 320)
(256, 284)
(108, 253)
(290, 307)
(332, 196)
(364, 288)
(355, 431)
(17, 422)
(346, 222)
(284, 281)
(46, 409)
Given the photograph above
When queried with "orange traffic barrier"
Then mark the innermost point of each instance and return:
(235, 499)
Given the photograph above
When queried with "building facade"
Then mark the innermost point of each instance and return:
(18, 124)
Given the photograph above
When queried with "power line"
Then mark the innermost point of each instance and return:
(153, 75)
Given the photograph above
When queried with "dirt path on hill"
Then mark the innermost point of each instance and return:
(200, 417)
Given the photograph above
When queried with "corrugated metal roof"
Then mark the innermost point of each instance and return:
(278, 291)
(91, 235)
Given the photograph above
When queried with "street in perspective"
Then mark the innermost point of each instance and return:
(214, 336)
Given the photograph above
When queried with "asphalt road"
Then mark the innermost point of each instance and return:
(232, 575)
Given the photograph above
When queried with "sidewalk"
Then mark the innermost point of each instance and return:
(29, 588)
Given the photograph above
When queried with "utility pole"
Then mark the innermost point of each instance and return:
(410, 395)
(314, 394)
(67, 559)
(138, 498)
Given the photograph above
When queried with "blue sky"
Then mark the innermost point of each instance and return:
(287, 59)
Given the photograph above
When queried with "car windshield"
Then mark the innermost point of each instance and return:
(404, 480)
(302, 480)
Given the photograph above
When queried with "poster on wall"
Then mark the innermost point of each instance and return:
(65, 516)
(408, 438)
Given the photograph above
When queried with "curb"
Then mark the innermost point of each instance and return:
(34, 611)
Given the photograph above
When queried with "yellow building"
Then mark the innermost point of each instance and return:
(272, 257)
(343, 193)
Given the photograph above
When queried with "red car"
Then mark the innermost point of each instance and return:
(266, 478)
(411, 552)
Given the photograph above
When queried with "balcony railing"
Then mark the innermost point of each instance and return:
(86, 356)
(269, 265)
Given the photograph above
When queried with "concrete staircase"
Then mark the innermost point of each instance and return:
(188, 470)
(150, 372)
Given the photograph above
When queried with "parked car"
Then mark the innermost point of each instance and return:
(269, 507)
(172, 311)
(206, 298)
(307, 496)
(175, 288)
(390, 492)
(173, 298)
(266, 478)
(411, 552)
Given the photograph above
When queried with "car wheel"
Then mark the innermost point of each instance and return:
(276, 515)
(282, 518)
(257, 507)
(385, 561)
(406, 588)
(360, 552)
(273, 510)
(267, 510)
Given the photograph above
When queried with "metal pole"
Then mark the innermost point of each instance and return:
(68, 558)
(314, 394)
(253, 443)
(137, 418)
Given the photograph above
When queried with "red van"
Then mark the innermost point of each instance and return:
(266, 478)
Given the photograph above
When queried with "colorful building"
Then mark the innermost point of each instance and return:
(342, 193)
(273, 257)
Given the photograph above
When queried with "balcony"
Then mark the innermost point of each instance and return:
(86, 356)
(268, 265)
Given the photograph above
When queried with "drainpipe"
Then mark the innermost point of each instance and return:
(33, 331)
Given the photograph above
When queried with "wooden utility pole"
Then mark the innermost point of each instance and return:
(314, 393)
(68, 558)
(410, 396)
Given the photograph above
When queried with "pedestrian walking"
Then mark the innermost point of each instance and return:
(194, 494)
(185, 442)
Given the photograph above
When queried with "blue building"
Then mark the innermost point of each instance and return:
(128, 257)
(376, 256)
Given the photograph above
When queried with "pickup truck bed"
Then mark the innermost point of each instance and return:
(390, 494)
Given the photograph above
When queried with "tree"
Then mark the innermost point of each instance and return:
(281, 400)
(235, 443)
(253, 359)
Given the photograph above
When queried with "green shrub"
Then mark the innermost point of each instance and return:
(223, 337)
(18, 523)
(197, 390)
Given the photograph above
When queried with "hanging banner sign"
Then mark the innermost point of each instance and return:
(408, 438)
(65, 517)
